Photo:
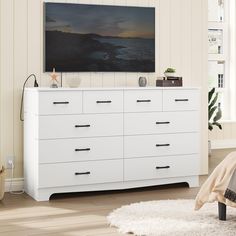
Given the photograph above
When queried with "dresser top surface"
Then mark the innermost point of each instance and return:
(47, 89)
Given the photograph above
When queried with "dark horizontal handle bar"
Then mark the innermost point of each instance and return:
(104, 101)
(162, 167)
(163, 145)
(83, 173)
(144, 100)
(181, 100)
(163, 123)
(82, 149)
(81, 126)
(58, 103)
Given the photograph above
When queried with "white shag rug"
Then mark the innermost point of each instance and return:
(172, 218)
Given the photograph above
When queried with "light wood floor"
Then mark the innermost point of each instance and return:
(81, 214)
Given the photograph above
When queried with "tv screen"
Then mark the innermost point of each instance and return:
(99, 38)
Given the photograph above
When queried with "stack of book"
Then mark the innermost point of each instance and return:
(170, 82)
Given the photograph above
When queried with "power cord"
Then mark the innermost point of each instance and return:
(23, 92)
(12, 176)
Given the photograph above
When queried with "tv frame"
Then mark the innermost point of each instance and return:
(82, 71)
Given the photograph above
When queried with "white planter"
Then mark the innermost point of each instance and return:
(168, 74)
(73, 82)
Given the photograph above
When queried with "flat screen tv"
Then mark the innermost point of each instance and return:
(99, 38)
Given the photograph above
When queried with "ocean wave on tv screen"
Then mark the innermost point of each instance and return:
(132, 48)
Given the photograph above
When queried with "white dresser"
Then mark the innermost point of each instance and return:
(109, 138)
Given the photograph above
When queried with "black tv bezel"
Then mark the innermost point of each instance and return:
(88, 71)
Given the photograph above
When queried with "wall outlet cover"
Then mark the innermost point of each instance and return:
(9, 159)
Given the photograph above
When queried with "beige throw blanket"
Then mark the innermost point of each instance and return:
(215, 186)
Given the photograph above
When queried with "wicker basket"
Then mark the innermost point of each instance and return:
(2, 183)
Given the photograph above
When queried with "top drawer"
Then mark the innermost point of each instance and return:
(60, 102)
(143, 100)
(103, 101)
(180, 100)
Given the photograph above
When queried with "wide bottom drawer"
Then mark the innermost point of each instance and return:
(80, 173)
(161, 167)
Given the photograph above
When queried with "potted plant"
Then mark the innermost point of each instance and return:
(214, 113)
(169, 72)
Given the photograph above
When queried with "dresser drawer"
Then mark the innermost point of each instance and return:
(60, 102)
(161, 167)
(142, 100)
(83, 149)
(181, 100)
(80, 173)
(73, 126)
(161, 145)
(161, 122)
(103, 101)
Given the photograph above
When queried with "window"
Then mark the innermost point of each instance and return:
(215, 38)
(216, 10)
(216, 73)
(218, 53)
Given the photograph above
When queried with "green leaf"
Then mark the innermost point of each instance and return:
(210, 94)
(218, 115)
(213, 102)
(210, 126)
(211, 112)
(217, 124)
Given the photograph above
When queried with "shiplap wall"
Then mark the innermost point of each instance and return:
(181, 42)
(228, 132)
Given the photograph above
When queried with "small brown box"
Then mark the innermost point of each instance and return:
(169, 83)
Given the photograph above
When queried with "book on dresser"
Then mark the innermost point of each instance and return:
(92, 139)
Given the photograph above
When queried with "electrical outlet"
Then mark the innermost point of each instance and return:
(9, 159)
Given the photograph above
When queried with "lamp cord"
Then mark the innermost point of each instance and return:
(23, 92)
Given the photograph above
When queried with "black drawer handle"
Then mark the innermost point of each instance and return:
(163, 145)
(148, 100)
(82, 149)
(60, 103)
(104, 101)
(162, 167)
(181, 100)
(81, 126)
(83, 173)
(163, 123)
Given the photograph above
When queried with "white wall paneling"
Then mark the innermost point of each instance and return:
(181, 42)
(20, 71)
(225, 138)
(165, 36)
(7, 78)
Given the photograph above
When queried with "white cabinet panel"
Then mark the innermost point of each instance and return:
(81, 173)
(74, 126)
(159, 145)
(60, 102)
(161, 122)
(102, 101)
(142, 100)
(82, 149)
(181, 100)
(160, 167)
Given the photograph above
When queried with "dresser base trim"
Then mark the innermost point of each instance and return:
(44, 194)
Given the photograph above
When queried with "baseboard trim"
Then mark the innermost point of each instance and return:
(17, 184)
(223, 144)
